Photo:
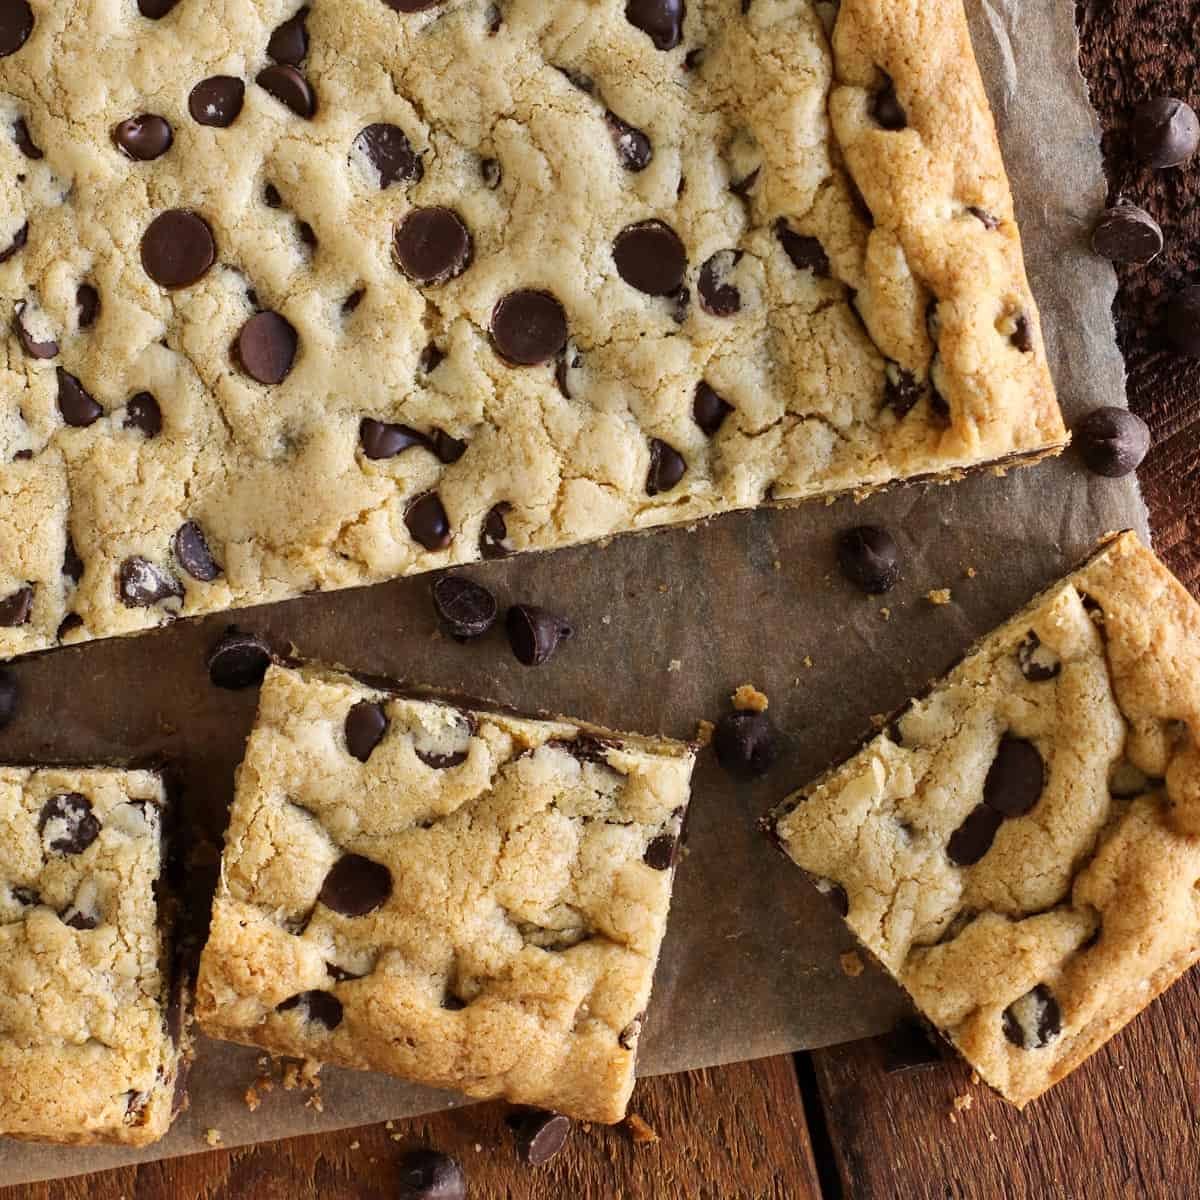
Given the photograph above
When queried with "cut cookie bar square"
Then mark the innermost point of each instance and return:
(92, 1038)
(305, 297)
(464, 899)
(1021, 848)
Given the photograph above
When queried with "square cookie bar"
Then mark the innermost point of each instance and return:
(1021, 847)
(299, 298)
(464, 899)
(92, 1039)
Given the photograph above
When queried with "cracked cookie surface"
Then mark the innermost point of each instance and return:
(464, 899)
(1021, 848)
(308, 298)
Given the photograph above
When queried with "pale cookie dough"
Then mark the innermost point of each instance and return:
(93, 1045)
(1021, 849)
(464, 899)
(273, 343)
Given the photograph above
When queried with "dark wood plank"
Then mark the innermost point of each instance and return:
(738, 1131)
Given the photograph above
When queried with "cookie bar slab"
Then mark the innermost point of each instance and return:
(91, 1028)
(301, 298)
(464, 899)
(1021, 848)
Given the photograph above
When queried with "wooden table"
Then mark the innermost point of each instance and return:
(831, 1123)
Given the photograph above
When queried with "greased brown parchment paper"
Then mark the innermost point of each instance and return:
(667, 625)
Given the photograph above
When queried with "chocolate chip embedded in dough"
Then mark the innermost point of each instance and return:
(67, 824)
(901, 389)
(19, 241)
(290, 88)
(886, 108)
(87, 305)
(974, 837)
(217, 102)
(29, 343)
(1038, 664)
(661, 852)
(667, 467)
(356, 886)
(806, 253)
(142, 584)
(16, 24)
(365, 725)
(709, 408)
(144, 138)
(650, 257)
(17, 607)
(493, 534)
(24, 140)
(192, 553)
(428, 521)
(387, 148)
(75, 404)
(719, 297)
(143, 414)
(322, 1007)
(1016, 777)
(529, 327)
(178, 248)
(289, 42)
(1034, 1020)
(382, 439)
(660, 20)
(432, 245)
(266, 347)
(633, 147)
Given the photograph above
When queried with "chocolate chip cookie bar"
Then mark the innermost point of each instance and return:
(93, 1043)
(1021, 848)
(304, 297)
(464, 899)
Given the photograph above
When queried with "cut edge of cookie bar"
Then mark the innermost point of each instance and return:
(457, 897)
(92, 967)
(1093, 906)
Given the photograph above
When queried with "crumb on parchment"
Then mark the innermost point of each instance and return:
(704, 733)
(938, 596)
(807, 660)
(971, 572)
(748, 698)
(675, 664)
(852, 964)
(886, 613)
(212, 1137)
(641, 1132)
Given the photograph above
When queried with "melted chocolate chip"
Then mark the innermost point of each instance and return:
(381, 439)
(67, 824)
(493, 534)
(709, 409)
(447, 449)
(143, 414)
(192, 553)
(634, 151)
(869, 557)
(745, 743)
(87, 303)
(323, 1007)
(20, 238)
(366, 723)
(431, 1175)
(806, 253)
(17, 607)
(432, 245)
(1015, 779)
(144, 138)
(31, 346)
(1112, 441)
(535, 633)
(178, 248)
(289, 43)
(661, 20)
(887, 110)
(466, 609)
(75, 403)
(356, 886)
(16, 24)
(901, 390)
(25, 142)
(528, 327)
(1036, 668)
(1034, 1020)
(10, 695)
(428, 522)
(981, 214)
(974, 837)
(290, 88)
(650, 257)
(388, 150)
(540, 1136)
(266, 347)
(667, 467)
(719, 297)
(238, 660)
(660, 853)
(142, 584)
(217, 102)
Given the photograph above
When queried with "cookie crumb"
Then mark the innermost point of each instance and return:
(975, 1078)
(748, 698)
(852, 965)
(641, 1132)
(354, 1145)
(396, 1137)
(606, 620)
(777, 565)
(390, 1125)
(991, 1136)
(963, 1103)
(478, 1147)
(675, 664)
(938, 596)
(315, 1102)
(971, 572)
(704, 733)
(212, 1137)
(879, 720)
(886, 613)
(662, 587)
(808, 662)
(251, 1098)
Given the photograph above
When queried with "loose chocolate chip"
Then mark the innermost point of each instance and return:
(432, 245)
(667, 467)
(217, 101)
(380, 439)
(289, 43)
(662, 20)
(493, 535)
(1166, 132)
(193, 554)
(355, 886)
(528, 327)
(388, 150)
(491, 171)
(1112, 441)
(25, 142)
(16, 608)
(745, 743)
(634, 151)
(178, 248)
(31, 346)
(87, 302)
(366, 723)
(974, 837)
(628, 1037)
(323, 1007)
(869, 557)
(540, 1136)
(74, 403)
(143, 414)
(266, 347)
(67, 824)
(72, 566)
(467, 609)
(427, 521)
(806, 253)
(155, 9)
(431, 1175)
(886, 108)
(709, 409)
(1037, 668)
(535, 633)
(1015, 779)
(144, 138)
(16, 24)
(650, 257)
(1127, 234)
(982, 215)
(660, 853)
(10, 694)
(1183, 321)
(1034, 1020)
(19, 239)
(289, 87)
(143, 584)
(901, 390)
(718, 296)
(238, 660)
(909, 1048)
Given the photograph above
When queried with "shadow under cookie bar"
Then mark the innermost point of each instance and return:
(1019, 847)
(461, 898)
(94, 1044)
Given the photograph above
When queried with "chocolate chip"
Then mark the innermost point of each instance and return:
(628, 1037)
(1183, 321)
(289, 87)
(192, 553)
(1166, 132)
(493, 534)
(662, 20)
(142, 584)
(909, 1048)
(31, 346)
(16, 24)
(806, 253)
(431, 1175)
(238, 660)
(143, 414)
(540, 1136)
(974, 837)
(634, 151)
(178, 248)
(87, 302)
(693, 60)
(744, 186)
(528, 327)
(25, 143)
(155, 9)
(366, 723)
(410, 6)
(869, 557)
(709, 409)
(1127, 234)
(745, 743)
(678, 302)
(16, 607)
(217, 101)
(718, 296)
(1037, 668)
(535, 633)
(323, 1007)
(490, 170)
(982, 215)
(20, 238)
(388, 150)
(10, 694)
(494, 19)
(432, 245)
(356, 886)
(74, 403)
(1022, 334)
(660, 853)
(467, 609)
(144, 138)
(431, 358)
(886, 108)
(650, 257)
(1112, 441)
(68, 624)
(901, 390)
(266, 347)
(1034, 1020)
(380, 439)
(447, 449)
(75, 918)
(1015, 779)
(667, 467)
(67, 824)
(353, 300)
(427, 521)
(289, 43)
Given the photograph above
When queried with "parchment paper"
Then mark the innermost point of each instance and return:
(668, 624)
